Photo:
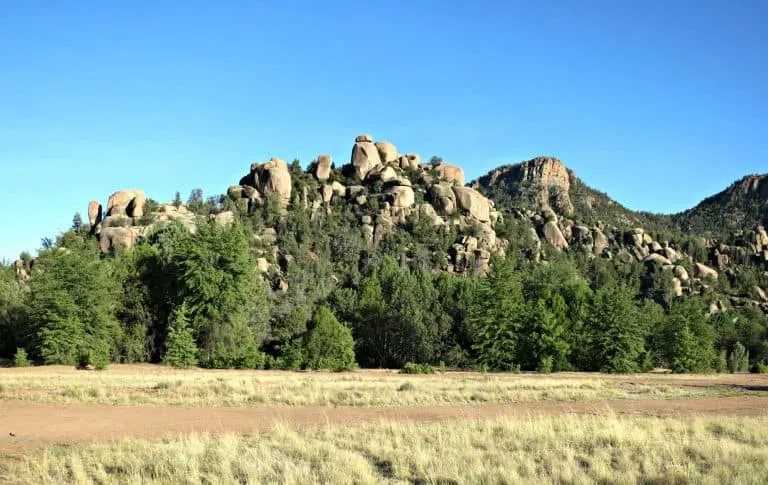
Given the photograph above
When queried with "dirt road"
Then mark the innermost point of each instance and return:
(25, 425)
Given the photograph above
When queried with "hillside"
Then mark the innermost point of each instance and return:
(546, 183)
(385, 261)
(743, 205)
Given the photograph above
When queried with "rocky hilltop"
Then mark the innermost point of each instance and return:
(539, 208)
(386, 191)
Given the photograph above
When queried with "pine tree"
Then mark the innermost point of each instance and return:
(615, 330)
(72, 304)
(495, 317)
(738, 361)
(329, 344)
(180, 348)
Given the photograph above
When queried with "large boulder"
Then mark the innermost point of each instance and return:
(384, 173)
(402, 196)
(128, 203)
(473, 202)
(704, 272)
(111, 236)
(450, 172)
(365, 156)
(273, 178)
(657, 260)
(387, 151)
(323, 167)
(600, 242)
(224, 218)
(94, 213)
(410, 161)
(554, 236)
(443, 198)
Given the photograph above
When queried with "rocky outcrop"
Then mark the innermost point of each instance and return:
(94, 213)
(365, 156)
(543, 182)
(323, 167)
(402, 196)
(387, 152)
(554, 236)
(128, 203)
(473, 202)
(443, 198)
(704, 272)
(271, 178)
(450, 172)
(112, 236)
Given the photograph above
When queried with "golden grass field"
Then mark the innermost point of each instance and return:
(157, 385)
(557, 449)
(564, 445)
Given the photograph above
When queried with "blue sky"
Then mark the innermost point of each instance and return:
(658, 103)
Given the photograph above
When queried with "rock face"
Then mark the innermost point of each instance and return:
(402, 196)
(128, 203)
(544, 181)
(554, 236)
(94, 213)
(111, 236)
(387, 151)
(443, 198)
(450, 172)
(272, 177)
(704, 272)
(323, 167)
(365, 156)
(473, 202)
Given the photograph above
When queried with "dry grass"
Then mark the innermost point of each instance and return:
(564, 449)
(162, 386)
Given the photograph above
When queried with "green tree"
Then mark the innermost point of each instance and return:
(180, 348)
(614, 330)
(20, 358)
(13, 330)
(738, 361)
(224, 295)
(72, 304)
(689, 338)
(329, 344)
(495, 317)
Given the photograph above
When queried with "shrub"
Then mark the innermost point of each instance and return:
(96, 356)
(180, 347)
(329, 344)
(411, 368)
(20, 359)
(545, 365)
(759, 368)
(738, 361)
(721, 366)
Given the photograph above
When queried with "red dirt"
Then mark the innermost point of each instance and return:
(36, 424)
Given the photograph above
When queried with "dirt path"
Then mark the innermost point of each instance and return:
(35, 425)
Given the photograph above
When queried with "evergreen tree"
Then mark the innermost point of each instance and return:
(330, 344)
(614, 330)
(180, 348)
(738, 361)
(495, 317)
(72, 304)
(224, 296)
(690, 338)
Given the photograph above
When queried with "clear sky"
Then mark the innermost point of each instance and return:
(659, 103)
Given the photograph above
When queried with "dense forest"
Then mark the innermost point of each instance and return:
(187, 298)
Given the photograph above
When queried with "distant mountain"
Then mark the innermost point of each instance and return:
(743, 205)
(546, 183)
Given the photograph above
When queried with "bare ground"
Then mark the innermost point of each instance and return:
(25, 425)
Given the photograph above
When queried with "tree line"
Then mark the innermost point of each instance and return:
(187, 299)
